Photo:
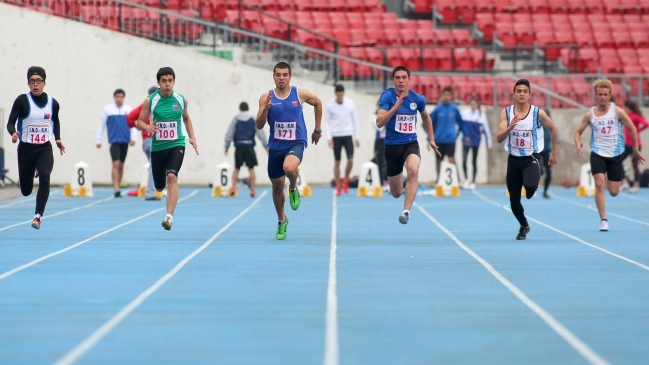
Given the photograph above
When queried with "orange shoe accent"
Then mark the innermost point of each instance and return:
(345, 185)
(252, 193)
(36, 223)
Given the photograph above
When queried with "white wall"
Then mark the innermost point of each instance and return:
(85, 64)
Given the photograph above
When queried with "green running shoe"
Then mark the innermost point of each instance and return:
(294, 196)
(281, 229)
(167, 222)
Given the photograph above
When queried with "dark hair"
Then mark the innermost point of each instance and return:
(400, 68)
(243, 106)
(447, 89)
(633, 107)
(164, 72)
(523, 82)
(339, 88)
(152, 89)
(119, 91)
(35, 70)
(282, 66)
(474, 98)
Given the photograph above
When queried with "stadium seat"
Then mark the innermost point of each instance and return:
(462, 37)
(603, 39)
(463, 60)
(622, 39)
(411, 58)
(640, 39)
(409, 37)
(584, 39)
(506, 35)
(467, 11)
(588, 60)
(595, 6)
(431, 63)
(426, 37)
(342, 36)
(577, 7)
(444, 37)
(540, 7)
(447, 10)
(486, 24)
(421, 6)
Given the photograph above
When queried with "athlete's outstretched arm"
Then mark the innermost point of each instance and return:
(428, 127)
(585, 120)
(190, 128)
(624, 118)
(547, 122)
(262, 115)
(308, 97)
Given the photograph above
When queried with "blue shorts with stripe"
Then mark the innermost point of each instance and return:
(276, 159)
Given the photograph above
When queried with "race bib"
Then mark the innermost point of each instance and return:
(521, 139)
(405, 123)
(285, 131)
(606, 127)
(38, 134)
(167, 131)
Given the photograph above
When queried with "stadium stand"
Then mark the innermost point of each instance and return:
(577, 36)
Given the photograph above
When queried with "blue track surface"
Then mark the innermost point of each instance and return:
(452, 286)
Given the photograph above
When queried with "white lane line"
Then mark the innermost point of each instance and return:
(584, 350)
(566, 234)
(633, 197)
(27, 200)
(43, 258)
(331, 332)
(594, 209)
(59, 213)
(81, 349)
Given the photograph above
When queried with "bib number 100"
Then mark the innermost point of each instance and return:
(167, 131)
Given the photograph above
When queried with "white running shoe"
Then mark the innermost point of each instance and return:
(603, 226)
(465, 184)
(472, 186)
(167, 222)
(634, 189)
(403, 218)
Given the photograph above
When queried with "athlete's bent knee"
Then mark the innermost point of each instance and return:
(171, 178)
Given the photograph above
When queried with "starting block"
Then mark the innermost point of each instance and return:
(586, 182)
(447, 181)
(81, 184)
(369, 183)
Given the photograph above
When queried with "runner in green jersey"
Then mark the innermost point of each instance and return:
(168, 112)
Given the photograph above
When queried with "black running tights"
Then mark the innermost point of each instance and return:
(474, 158)
(545, 160)
(33, 157)
(522, 172)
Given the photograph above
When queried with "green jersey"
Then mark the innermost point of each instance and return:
(168, 117)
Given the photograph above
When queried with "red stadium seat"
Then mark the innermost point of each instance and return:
(346, 69)
(566, 38)
(640, 39)
(411, 58)
(426, 37)
(544, 39)
(633, 7)
(467, 11)
(503, 18)
(504, 6)
(394, 57)
(622, 39)
(411, 25)
(540, 7)
(588, 60)
(584, 39)
(341, 35)
(577, 7)
(421, 6)
(506, 34)
(595, 6)
(448, 11)
(564, 27)
(444, 37)
(603, 39)
(392, 37)
(444, 57)
(542, 26)
(462, 37)
(355, 20)
(463, 60)
(486, 24)
(409, 37)
(431, 63)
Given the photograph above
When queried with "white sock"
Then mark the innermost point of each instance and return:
(170, 217)
(282, 221)
(37, 216)
(406, 211)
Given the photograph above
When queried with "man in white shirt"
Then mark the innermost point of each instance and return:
(341, 131)
(113, 119)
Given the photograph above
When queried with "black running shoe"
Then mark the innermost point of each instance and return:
(522, 233)
(118, 194)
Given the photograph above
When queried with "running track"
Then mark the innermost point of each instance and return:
(103, 283)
